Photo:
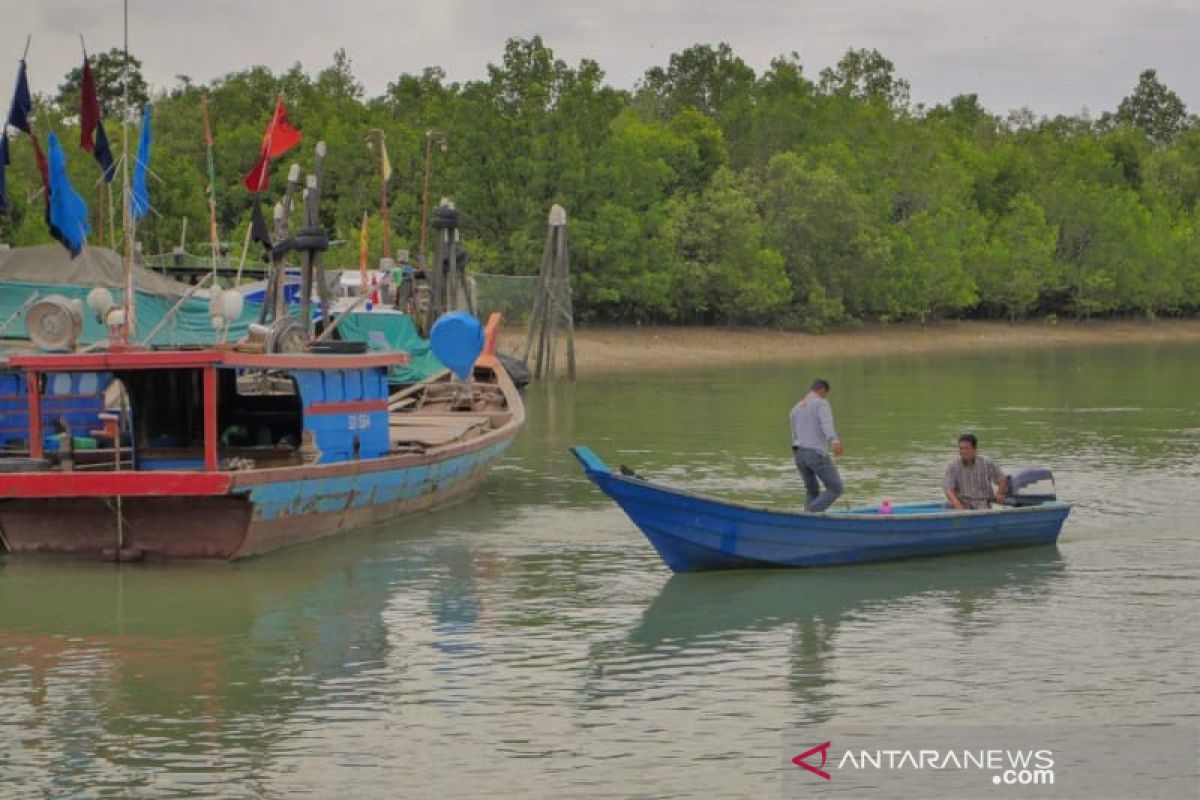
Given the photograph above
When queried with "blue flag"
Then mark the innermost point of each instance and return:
(140, 199)
(22, 103)
(68, 212)
(103, 154)
(18, 117)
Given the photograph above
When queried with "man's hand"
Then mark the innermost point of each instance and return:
(837, 448)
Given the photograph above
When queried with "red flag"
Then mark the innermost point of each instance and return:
(279, 137)
(89, 110)
(42, 166)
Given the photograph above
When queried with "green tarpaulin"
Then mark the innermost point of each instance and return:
(48, 269)
(392, 332)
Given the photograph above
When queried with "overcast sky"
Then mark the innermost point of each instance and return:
(1053, 56)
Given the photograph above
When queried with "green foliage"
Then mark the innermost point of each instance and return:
(724, 269)
(1154, 109)
(866, 75)
(710, 194)
(108, 70)
(1016, 265)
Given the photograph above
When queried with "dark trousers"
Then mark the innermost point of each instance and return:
(814, 466)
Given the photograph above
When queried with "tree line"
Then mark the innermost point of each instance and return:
(708, 193)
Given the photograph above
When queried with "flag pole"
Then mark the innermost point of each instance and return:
(126, 213)
(212, 187)
(276, 273)
(100, 212)
(28, 41)
(383, 198)
(100, 190)
(363, 257)
(245, 248)
(112, 215)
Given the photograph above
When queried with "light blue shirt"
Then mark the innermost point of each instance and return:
(812, 423)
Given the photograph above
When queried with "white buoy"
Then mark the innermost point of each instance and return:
(232, 304)
(100, 300)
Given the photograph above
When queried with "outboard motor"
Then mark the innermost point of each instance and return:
(1016, 483)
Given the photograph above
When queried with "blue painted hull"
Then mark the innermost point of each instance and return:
(259, 512)
(693, 533)
(287, 512)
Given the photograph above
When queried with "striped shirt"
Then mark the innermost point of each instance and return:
(973, 484)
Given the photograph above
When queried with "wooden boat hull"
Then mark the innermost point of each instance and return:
(232, 515)
(693, 533)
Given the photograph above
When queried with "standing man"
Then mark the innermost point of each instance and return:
(812, 432)
(970, 477)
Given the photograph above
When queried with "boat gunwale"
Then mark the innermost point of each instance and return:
(139, 359)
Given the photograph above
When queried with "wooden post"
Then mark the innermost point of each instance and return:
(314, 221)
(32, 384)
(282, 223)
(306, 274)
(553, 309)
(212, 188)
(430, 135)
(539, 300)
(210, 418)
(267, 310)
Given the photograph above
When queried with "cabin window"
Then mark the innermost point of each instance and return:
(258, 408)
(168, 409)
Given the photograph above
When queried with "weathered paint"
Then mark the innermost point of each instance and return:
(223, 523)
(204, 527)
(321, 495)
(291, 513)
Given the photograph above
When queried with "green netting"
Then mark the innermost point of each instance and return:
(392, 332)
(511, 295)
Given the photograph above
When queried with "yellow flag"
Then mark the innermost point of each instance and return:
(364, 255)
(387, 164)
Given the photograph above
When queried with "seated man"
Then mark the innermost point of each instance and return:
(970, 477)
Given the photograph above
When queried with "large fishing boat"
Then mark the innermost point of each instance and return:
(224, 453)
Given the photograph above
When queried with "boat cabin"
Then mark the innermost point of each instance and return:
(69, 401)
(210, 409)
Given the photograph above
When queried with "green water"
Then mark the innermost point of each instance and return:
(528, 642)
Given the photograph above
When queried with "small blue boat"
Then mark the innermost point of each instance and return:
(694, 533)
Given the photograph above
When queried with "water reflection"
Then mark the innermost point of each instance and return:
(193, 668)
(704, 612)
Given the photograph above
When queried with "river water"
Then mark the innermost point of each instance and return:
(528, 642)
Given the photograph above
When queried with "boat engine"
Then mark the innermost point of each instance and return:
(1019, 498)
